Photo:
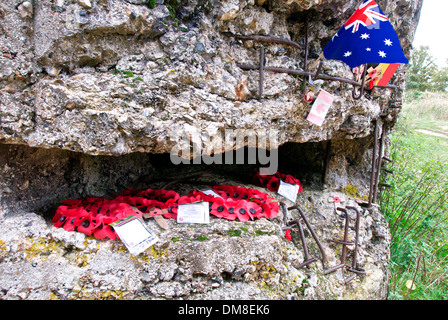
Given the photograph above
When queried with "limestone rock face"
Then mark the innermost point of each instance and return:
(116, 77)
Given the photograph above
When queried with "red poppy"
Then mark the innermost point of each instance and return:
(187, 199)
(288, 235)
(171, 208)
(274, 206)
(273, 184)
(230, 209)
(85, 225)
(242, 211)
(155, 212)
(224, 191)
(62, 214)
(291, 180)
(203, 196)
(337, 200)
(163, 195)
(104, 231)
(260, 179)
(218, 209)
(253, 209)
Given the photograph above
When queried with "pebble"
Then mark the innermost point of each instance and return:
(26, 9)
(85, 3)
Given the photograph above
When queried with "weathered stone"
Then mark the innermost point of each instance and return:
(190, 70)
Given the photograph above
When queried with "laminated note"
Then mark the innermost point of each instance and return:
(197, 212)
(134, 234)
(320, 108)
(289, 191)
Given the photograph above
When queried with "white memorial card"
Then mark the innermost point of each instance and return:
(289, 191)
(134, 234)
(320, 108)
(197, 212)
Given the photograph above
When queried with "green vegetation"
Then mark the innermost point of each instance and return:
(417, 204)
(423, 73)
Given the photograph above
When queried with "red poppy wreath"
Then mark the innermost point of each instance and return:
(272, 182)
(93, 216)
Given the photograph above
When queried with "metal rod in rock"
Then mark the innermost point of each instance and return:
(313, 234)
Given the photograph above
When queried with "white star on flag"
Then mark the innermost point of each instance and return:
(347, 54)
(382, 54)
(388, 42)
(365, 36)
(368, 49)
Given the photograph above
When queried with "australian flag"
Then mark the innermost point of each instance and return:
(366, 37)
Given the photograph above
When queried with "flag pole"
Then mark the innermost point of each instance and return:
(315, 62)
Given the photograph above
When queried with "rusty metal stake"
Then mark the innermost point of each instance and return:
(305, 63)
(308, 260)
(344, 243)
(313, 234)
(319, 68)
(261, 71)
(374, 162)
(306, 73)
(379, 162)
(266, 39)
(354, 267)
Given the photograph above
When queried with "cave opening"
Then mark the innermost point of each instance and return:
(37, 180)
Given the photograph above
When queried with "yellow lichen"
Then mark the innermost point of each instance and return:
(351, 191)
(41, 248)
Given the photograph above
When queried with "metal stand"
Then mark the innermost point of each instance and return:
(298, 223)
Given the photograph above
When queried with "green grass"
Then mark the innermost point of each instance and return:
(417, 204)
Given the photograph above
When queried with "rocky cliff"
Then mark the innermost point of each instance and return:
(94, 95)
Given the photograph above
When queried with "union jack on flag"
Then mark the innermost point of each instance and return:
(366, 37)
(365, 15)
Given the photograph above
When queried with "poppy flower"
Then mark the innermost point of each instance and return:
(242, 211)
(85, 225)
(104, 231)
(171, 209)
(288, 235)
(163, 195)
(203, 196)
(155, 212)
(224, 191)
(238, 193)
(260, 179)
(73, 217)
(274, 206)
(218, 209)
(253, 209)
(187, 199)
(273, 184)
(337, 200)
(230, 209)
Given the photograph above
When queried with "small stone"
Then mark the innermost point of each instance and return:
(199, 47)
(26, 10)
(85, 3)
(230, 14)
(53, 72)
